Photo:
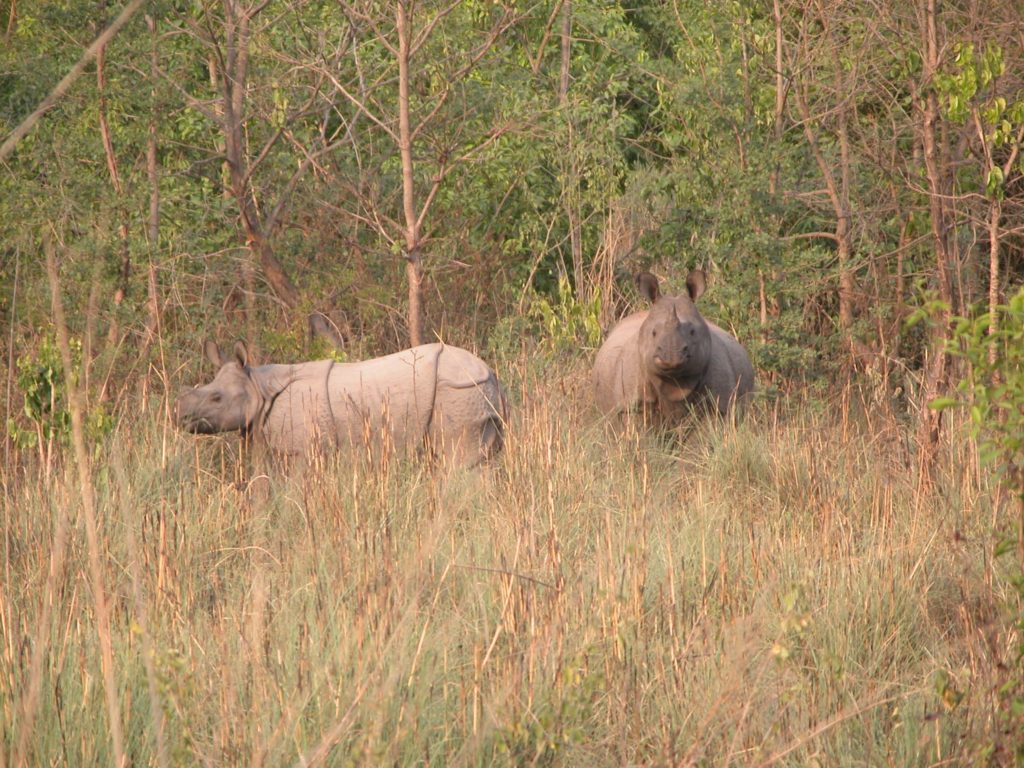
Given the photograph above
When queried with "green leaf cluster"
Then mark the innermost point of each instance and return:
(566, 323)
(42, 383)
(994, 387)
(993, 391)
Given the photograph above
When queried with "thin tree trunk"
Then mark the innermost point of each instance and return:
(936, 371)
(775, 177)
(92, 313)
(153, 322)
(572, 211)
(7, 474)
(995, 213)
(108, 144)
(152, 174)
(12, 21)
(780, 97)
(414, 260)
(762, 295)
(844, 233)
(901, 280)
(235, 75)
(124, 272)
(563, 80)
(153, 223)
(249, 303)
(995, 216)
(838, 190)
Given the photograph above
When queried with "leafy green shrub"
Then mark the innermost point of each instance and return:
(994, 388)
(994, 392)
(41, 381)
(565, 322)
(548, 733)
(556, 326)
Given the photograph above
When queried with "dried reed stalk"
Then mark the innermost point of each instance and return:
(75, 401)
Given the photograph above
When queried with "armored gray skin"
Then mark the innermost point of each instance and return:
(668, 359)
(434, 396)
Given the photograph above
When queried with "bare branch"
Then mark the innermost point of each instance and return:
(427, 30)
(289, 187)
(199, 106)
(535, 62)
(305, 109)
(507, 21)
(62, 87)
(352, 13)
(358, 104)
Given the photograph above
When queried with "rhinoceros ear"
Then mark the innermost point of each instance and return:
(647, 284)
(242, 353)
(213, 353)
(696, 282)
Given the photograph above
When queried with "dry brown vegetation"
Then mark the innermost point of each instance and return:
(785, 590)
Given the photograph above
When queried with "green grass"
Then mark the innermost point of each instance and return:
(781, 591)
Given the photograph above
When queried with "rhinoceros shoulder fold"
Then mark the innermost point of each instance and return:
(296, 407)
(458, 368)
(272, 380)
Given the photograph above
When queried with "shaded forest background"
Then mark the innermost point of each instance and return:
(421, 170)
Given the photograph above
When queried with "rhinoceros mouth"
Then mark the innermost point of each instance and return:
(670, 367)
(680, 375)
(198, 425)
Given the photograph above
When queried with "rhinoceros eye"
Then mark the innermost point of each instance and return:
(215, 397)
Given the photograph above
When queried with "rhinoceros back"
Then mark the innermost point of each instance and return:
(432, 394)
(384, 403)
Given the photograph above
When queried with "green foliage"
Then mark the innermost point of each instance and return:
(793, 625)
(40, 380)
(565, 323)
(994, 386)
(543, 736)
(42, 384)
(993, 391)
(968, 92)
(972, 74)
(947, 690)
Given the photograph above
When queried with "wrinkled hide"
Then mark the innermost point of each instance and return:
(668, 359)
(435, 396)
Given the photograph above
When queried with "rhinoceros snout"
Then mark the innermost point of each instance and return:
(668, 360)
(185, 414)
(191, 422)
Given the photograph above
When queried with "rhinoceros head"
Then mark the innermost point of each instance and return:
(230, 402)
(674, 341)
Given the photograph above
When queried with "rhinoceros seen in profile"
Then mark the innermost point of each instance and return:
(665, 360)
(436, 396)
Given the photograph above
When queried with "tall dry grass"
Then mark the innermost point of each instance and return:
(780, 591)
